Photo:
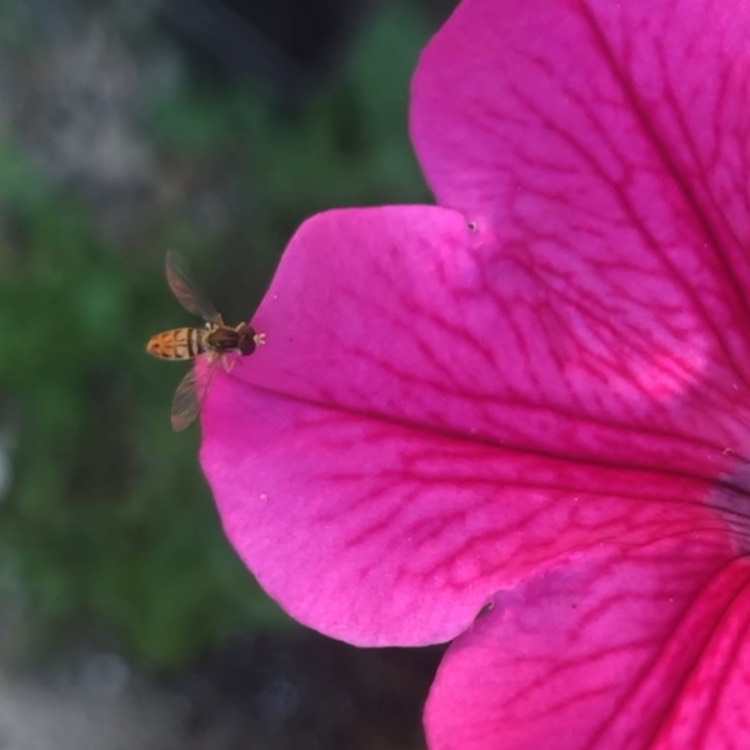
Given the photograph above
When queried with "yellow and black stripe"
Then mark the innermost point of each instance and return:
(178, 343)
(194, 341)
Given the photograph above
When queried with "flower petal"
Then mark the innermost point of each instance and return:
(605, 147)
(448, 403)
(408, 314)
(359, 458)
(624, 652)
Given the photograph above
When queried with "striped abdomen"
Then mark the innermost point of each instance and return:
(179, 343)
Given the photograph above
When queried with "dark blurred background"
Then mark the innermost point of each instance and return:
(127, 128)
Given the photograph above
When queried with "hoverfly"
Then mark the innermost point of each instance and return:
(216, 341)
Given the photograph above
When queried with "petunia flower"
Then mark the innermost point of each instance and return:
(520, 419)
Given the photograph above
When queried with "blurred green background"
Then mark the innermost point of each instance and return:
(124, 131)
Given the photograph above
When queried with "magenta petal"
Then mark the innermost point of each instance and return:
(639, 652)
(710, 649)
(360, 459)
(453, 401)
(524, 109)
(605, 143)
(410, 314)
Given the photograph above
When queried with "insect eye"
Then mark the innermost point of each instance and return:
(247, 345)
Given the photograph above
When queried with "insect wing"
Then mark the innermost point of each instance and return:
(189, 396)
(190, 294)
(185, 405)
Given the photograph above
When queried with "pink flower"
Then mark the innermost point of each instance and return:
(534, 396)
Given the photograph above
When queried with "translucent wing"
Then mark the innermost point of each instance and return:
(191, 295)
(188, 397)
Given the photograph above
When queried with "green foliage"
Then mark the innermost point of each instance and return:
(348, 146)
(108, 519)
